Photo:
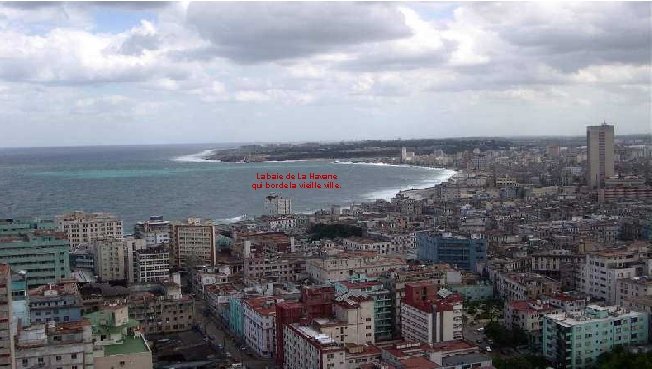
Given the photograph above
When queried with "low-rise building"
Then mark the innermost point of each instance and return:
(525, 286)
(55, 302)
(340, 267)
(66, 345)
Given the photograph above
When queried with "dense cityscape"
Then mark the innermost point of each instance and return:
(533, 255)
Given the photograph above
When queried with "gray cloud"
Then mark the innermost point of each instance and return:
(260, 32)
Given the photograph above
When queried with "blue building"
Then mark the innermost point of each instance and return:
(460, 251)
(55, 302)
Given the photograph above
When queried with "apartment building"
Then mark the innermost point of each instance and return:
(528, 316)
(259, 326)
(430, 316)
(193, 243)
(307, 348)
(35, 247)
(575, 340)
(151, 265)
(366, 244)
(81, 227)
(65, 345)
(340, 267)
(7, 345)
(525, 286)
(154, 231)
(601, 270)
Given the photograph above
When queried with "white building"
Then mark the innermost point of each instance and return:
(366, 244)
(306, 348)
(81, 227)
(151, 265)
(432, 320)
(601, 271)
(154, 231)
(277, 205)
(259, 324)
(353, 323)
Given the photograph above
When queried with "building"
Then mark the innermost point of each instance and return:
(528, 316)
(7, 346)
(306, 348)
(151, 265)
(117, 340)
(340, 267)
(154, 231)
(525, 286)
(630, 288)
(55, 303)
(275, 204)
(110, 259)
(601, 270)
(460, 251)
(352, 321)
(35, 247)
(366, 244)
(382, 308)
(65, 345)
(575, 340)
(81, 227)
(273, 269)
(429, 316)
(193, 243)
(600, 154)
(161, 313)
(259, 324)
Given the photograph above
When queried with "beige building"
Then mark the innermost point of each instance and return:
(65, 345)
(160, 314)
(339, 267)
(353, 322)
(7, 349)
(193, 243)
(307, 348)
(81, 227)
(109, 259)
(600, 154)
(432, 320)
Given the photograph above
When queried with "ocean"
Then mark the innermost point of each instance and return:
(135, 182)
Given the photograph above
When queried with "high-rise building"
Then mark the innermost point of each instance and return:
(114, 258)
(7, 348)
(277, 205)
(81, 227)
(600, 154)
(193, 244)
(34, 246)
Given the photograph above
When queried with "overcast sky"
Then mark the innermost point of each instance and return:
(131, 73)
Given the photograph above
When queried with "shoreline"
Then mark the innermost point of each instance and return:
(416, 193)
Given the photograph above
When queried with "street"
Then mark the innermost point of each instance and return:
(213, 330)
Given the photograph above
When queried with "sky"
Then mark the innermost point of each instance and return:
(109, 73)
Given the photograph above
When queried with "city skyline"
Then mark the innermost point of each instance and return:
(160, 73)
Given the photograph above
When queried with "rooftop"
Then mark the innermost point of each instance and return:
(129, 345)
